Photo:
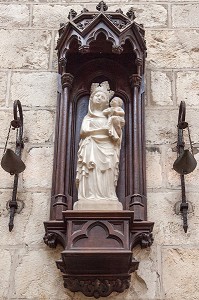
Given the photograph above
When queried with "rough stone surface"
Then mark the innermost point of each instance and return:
(182, 264)
(5, 259)
(154, 168)
(39, 210)
(185, 15)
(30, 49)
(38, 170)
(36, 266)
(161, 88)
(5, 118)
(151, 15)
(28, 223)
(38, 126)
(168, 224)
(14, 15)
(187, 87)
(172, 48)
(34, 89)
(161, 126)
(3, 82)
(47, 15)
(147, 277)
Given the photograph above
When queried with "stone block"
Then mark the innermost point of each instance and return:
(185, 15)
(38, 172)
(6, 117)
(54, 59)
(146, 281)
(161, 126)
(168, 227)
(50, 16)
(39, 212)
(173, 178)
(38, 126)
(5, 262)
(14, 15)
(192, 119)
(3, 82)
(34, 89)
(180, 273)
(150, 15)
(172, 48)
(187, 87)
(153, 167)
(28, 49)
(37, 276)
(28, 223)
(161, 88)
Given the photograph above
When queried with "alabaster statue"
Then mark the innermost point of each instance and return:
(99, 151)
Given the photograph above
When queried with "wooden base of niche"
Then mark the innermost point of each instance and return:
(97, 258)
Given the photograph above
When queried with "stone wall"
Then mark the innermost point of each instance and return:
(28, 32)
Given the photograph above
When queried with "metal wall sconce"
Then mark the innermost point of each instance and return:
(11, 161)
(185, 162)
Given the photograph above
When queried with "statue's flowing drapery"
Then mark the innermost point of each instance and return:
(99, 151)
(98, 160)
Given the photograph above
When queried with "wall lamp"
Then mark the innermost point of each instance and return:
(11, 161)
(185, 162)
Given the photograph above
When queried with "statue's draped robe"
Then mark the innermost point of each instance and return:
(98, 160)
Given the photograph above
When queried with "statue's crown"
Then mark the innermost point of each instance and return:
(102, 87)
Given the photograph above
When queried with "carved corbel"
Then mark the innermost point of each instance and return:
(67, 80)
(135, 80)
(50, 239)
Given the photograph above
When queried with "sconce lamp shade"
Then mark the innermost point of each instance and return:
(185, 163)
(12, 163)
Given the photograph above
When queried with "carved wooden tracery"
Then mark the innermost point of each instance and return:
(93, 47)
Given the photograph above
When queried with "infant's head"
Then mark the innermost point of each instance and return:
(116, 101)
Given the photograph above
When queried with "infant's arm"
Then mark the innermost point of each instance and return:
(118, 112)
(107, 112)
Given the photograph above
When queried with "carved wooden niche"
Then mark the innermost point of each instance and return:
(95, 47)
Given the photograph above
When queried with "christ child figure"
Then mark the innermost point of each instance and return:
(115, 115)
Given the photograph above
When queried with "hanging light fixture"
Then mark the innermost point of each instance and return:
(185, 162)
(11, 161)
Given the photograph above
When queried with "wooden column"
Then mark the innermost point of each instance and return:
(136, 198)
(60, 197)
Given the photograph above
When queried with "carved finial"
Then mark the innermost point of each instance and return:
(102, 6)
(130, 14)
(72, 14)
(84, 10)
(61, 29)
(119, 11)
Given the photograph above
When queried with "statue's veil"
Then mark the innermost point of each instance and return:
(99, 87)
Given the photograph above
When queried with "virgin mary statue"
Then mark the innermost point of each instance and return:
(98, 155)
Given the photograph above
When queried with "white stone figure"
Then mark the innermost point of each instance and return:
(116, 121)
(99, 151)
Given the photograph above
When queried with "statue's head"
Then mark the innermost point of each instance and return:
(100, 95)
(116, 101)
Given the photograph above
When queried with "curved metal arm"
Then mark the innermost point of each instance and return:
(181, 116)
(18, 120)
